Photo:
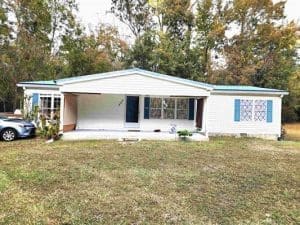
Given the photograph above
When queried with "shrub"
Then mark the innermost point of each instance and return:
(50, 129)
(184, 134)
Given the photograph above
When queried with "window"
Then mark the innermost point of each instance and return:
(169, 108)
(45, 106)
(155, 108)
(56, 104)
(49, 105)
(260, 110)
(253, 110)
(182, 109)
(246, 110)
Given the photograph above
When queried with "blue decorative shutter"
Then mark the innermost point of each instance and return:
(146, 108)
(35, 100)
(191, 109)
(237, 110)
(269, 111)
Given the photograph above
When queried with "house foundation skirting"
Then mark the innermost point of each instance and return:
(239, 135)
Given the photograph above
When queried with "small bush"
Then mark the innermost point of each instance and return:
(184, 134)
(50, 129)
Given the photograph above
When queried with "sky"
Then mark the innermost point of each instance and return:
(91, 12)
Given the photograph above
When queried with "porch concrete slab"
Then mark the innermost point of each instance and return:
(126, 135)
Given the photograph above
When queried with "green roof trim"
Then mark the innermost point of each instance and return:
(244, 88)
(46, 82)
(219, 88)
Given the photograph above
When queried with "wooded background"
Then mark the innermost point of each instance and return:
(247, 42)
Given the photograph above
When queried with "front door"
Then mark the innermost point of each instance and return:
(132, 109)
(199, 117)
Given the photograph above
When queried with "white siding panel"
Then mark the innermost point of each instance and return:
(135, 85)
(220, 118)
(108, 111)
(101, 111)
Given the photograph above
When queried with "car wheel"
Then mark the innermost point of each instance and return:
(9, 134)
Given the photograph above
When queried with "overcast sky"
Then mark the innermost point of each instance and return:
(92, 12)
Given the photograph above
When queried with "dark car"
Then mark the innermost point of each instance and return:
(11, 129)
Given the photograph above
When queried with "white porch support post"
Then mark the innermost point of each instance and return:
(195, 112)
(62, 109)
(205, 117)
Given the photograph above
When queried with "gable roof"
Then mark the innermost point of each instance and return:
(211, 87)
(71, 80)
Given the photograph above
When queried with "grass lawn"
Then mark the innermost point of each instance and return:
(224, 181)
(292, 131)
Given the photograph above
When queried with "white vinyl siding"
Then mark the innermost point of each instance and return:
(220, 116)
(135, 85)
(109, 112)
(101, 112)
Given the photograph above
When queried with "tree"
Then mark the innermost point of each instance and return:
(4, 23)
(141, 54)
(211, 24)
(28, 53)
(260, 52)
(177, 17)
(137, 14)
(4, 41)
(101, 51)
(167, 46)
(291, 103)
(63, 20)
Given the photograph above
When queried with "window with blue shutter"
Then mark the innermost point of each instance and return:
(35, 100)
(269, 111)
(237, 110)
(191, 108)
(146, 108)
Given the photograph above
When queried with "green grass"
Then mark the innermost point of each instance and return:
(224, 181)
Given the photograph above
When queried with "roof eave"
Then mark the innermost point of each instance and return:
(250, 92)
(32, 85)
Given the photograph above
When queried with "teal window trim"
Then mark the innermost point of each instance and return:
(237, 110)
(269, 111)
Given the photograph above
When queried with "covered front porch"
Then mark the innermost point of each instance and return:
(115, 116)
(139, 104)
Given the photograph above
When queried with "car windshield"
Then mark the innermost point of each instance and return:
(3, 118)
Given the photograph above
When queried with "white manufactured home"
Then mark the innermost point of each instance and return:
(150, 105)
